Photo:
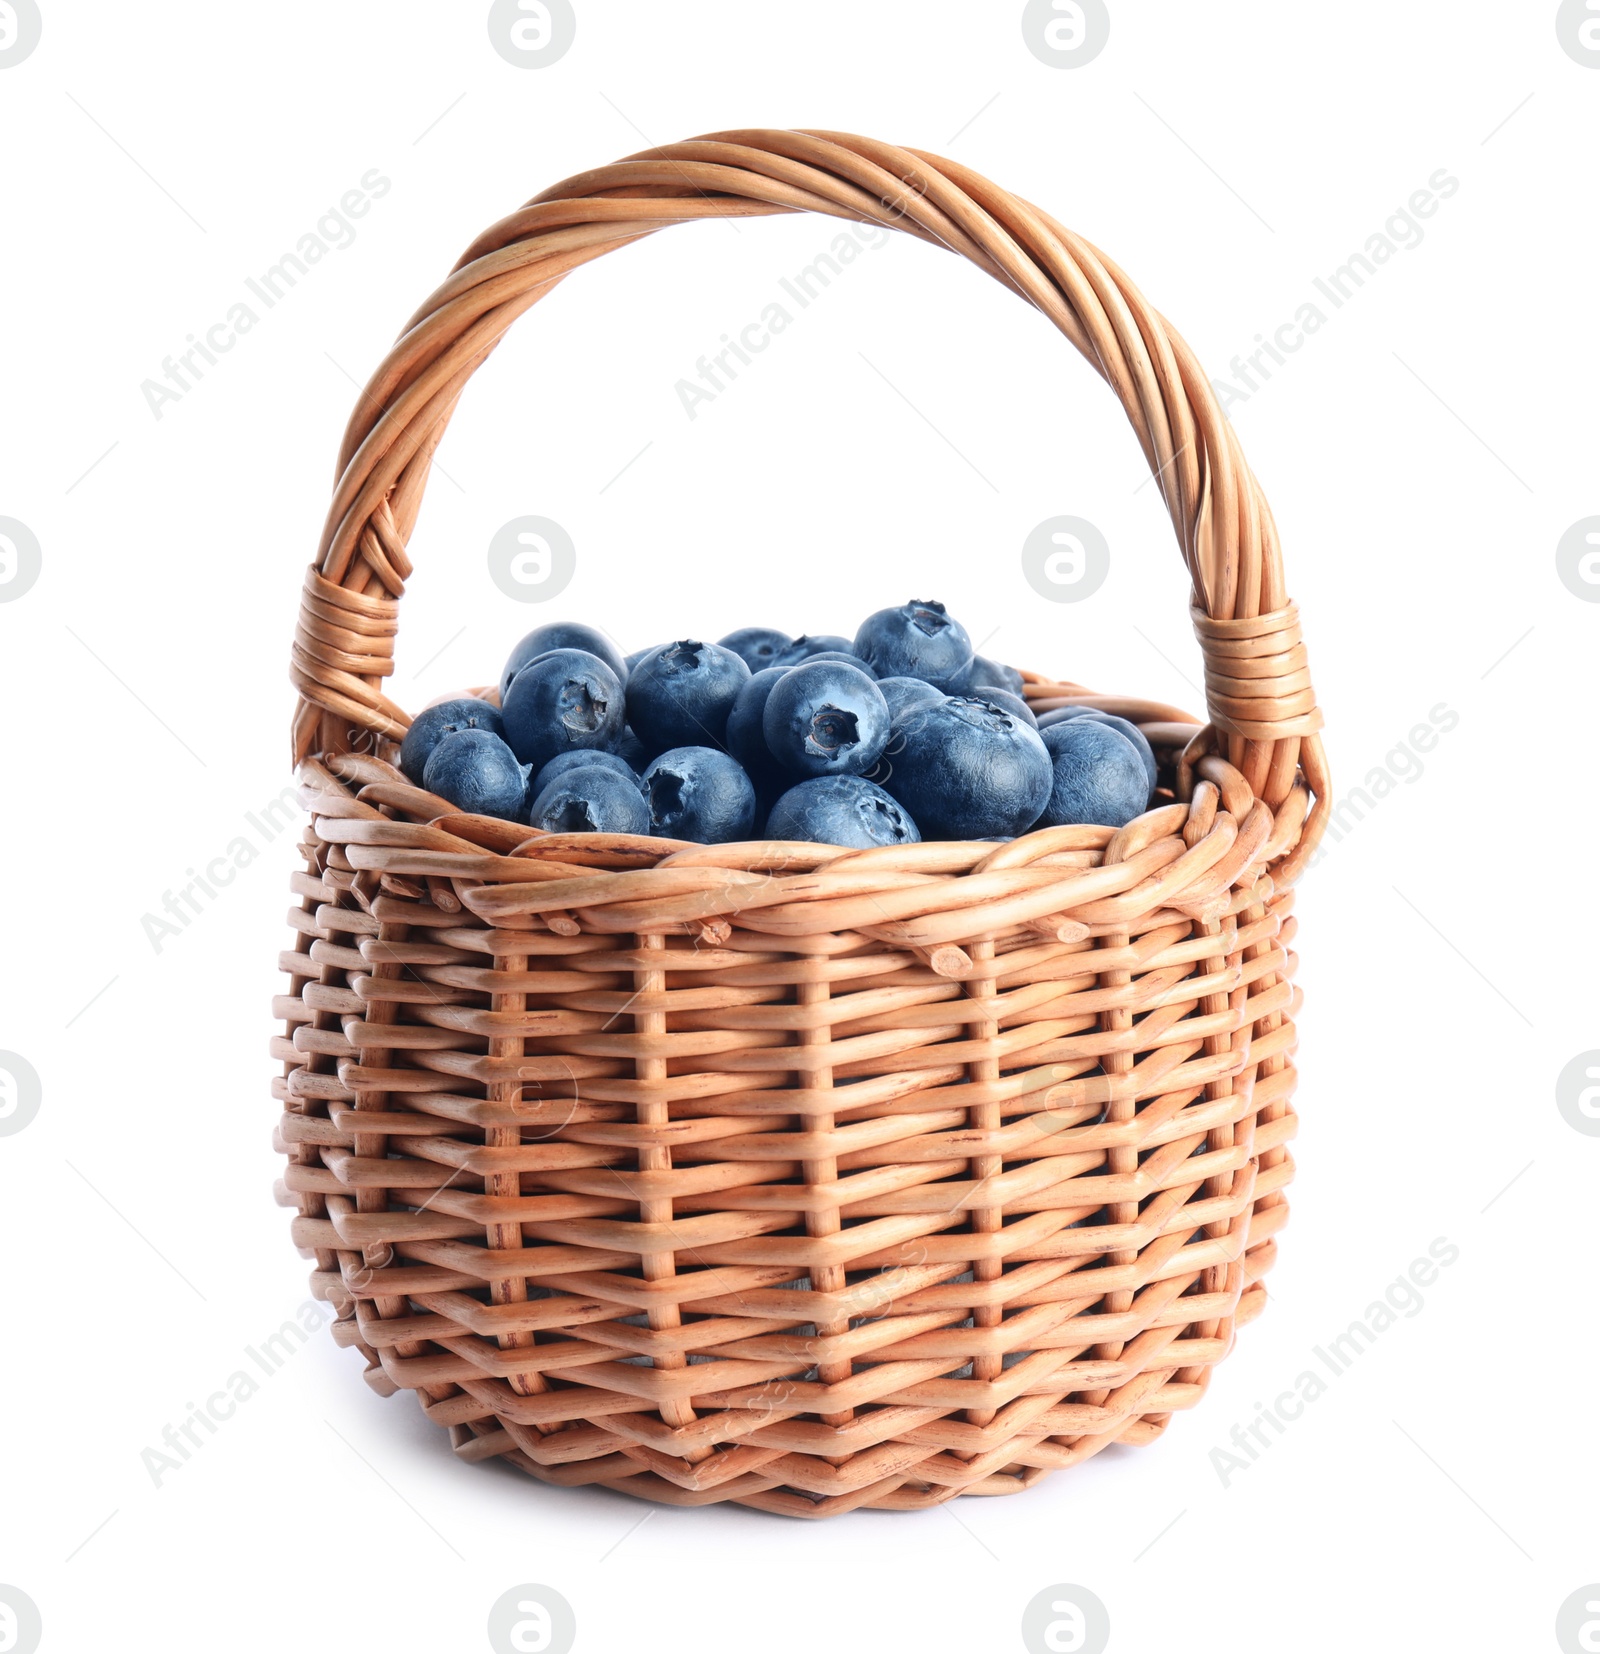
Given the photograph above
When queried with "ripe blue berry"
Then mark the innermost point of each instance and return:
(680, 695)
(746, 739)
(842, 655)
(581, 758)
(916, 640)
(435, 722)
(990, 674)
(700, 794)
(565, 698)
(477, 772)
(803, 648)
(562, 634)
(1122, 726)
(630, 749)
(590, 799)
(826, 718)
(1097, 776)
(1003, 697)
(904, 693)
(757, 646)
(966, 768)
(841, 809)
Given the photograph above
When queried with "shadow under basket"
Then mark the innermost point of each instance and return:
(807, 1178)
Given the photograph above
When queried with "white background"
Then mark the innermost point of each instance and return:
(1424, 453)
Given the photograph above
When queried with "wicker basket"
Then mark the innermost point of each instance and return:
(804, 1178)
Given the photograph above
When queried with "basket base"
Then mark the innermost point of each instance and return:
(483, 1440)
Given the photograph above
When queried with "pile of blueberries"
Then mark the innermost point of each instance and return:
(902, 735)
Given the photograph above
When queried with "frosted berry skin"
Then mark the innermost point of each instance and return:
(630, 749)
(1121, 725)
(565, 699)
(803, 648)
(904, 693)
(841, 809)
(916, 640)
(841, 655)
(747, 741)
(700, 794)
(562, 634)
(1013, 704)
(680, 695)
(581, 758)
(984, 673)
(1097, 776)
(757, 646)
(1134, 734)
(826, 718)
(966, 768)
(588, 798)
(436, 722)
(478, 773)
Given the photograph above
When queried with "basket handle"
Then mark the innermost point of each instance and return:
(1258, 689)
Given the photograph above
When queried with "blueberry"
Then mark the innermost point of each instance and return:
(1003, 697)
(564, 699)
(630, 749)
(916, 640)
(843, 655)
(700, 794)
(1062, 714)
(904, 693)
(746, 739)
(1134, 734)
(581, 758)
(637, 656)
(591, 799)
(1132, 731)
(1098, 776)
(826, 718)
(681, 694)
(562, 634)
(477, 772)
(803, 648)
(757, 646)
(968, 769)
(436, 722)
(841, 809)
(990, 674)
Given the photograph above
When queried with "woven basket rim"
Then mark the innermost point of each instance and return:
(1261, 708)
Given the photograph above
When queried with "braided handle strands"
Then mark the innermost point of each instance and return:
(805, 1178)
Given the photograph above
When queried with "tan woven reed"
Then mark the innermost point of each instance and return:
(806, 1178)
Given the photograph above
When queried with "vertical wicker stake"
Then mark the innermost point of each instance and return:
(374, 1145)
(822, 1173)
(1085, 1181)
(1121, 1163)
(506, 1007)
(1273, 1066)
(1217, 1279)
(650, 983)
(984, 1117)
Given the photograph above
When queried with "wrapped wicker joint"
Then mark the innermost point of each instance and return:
(805, 1178)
